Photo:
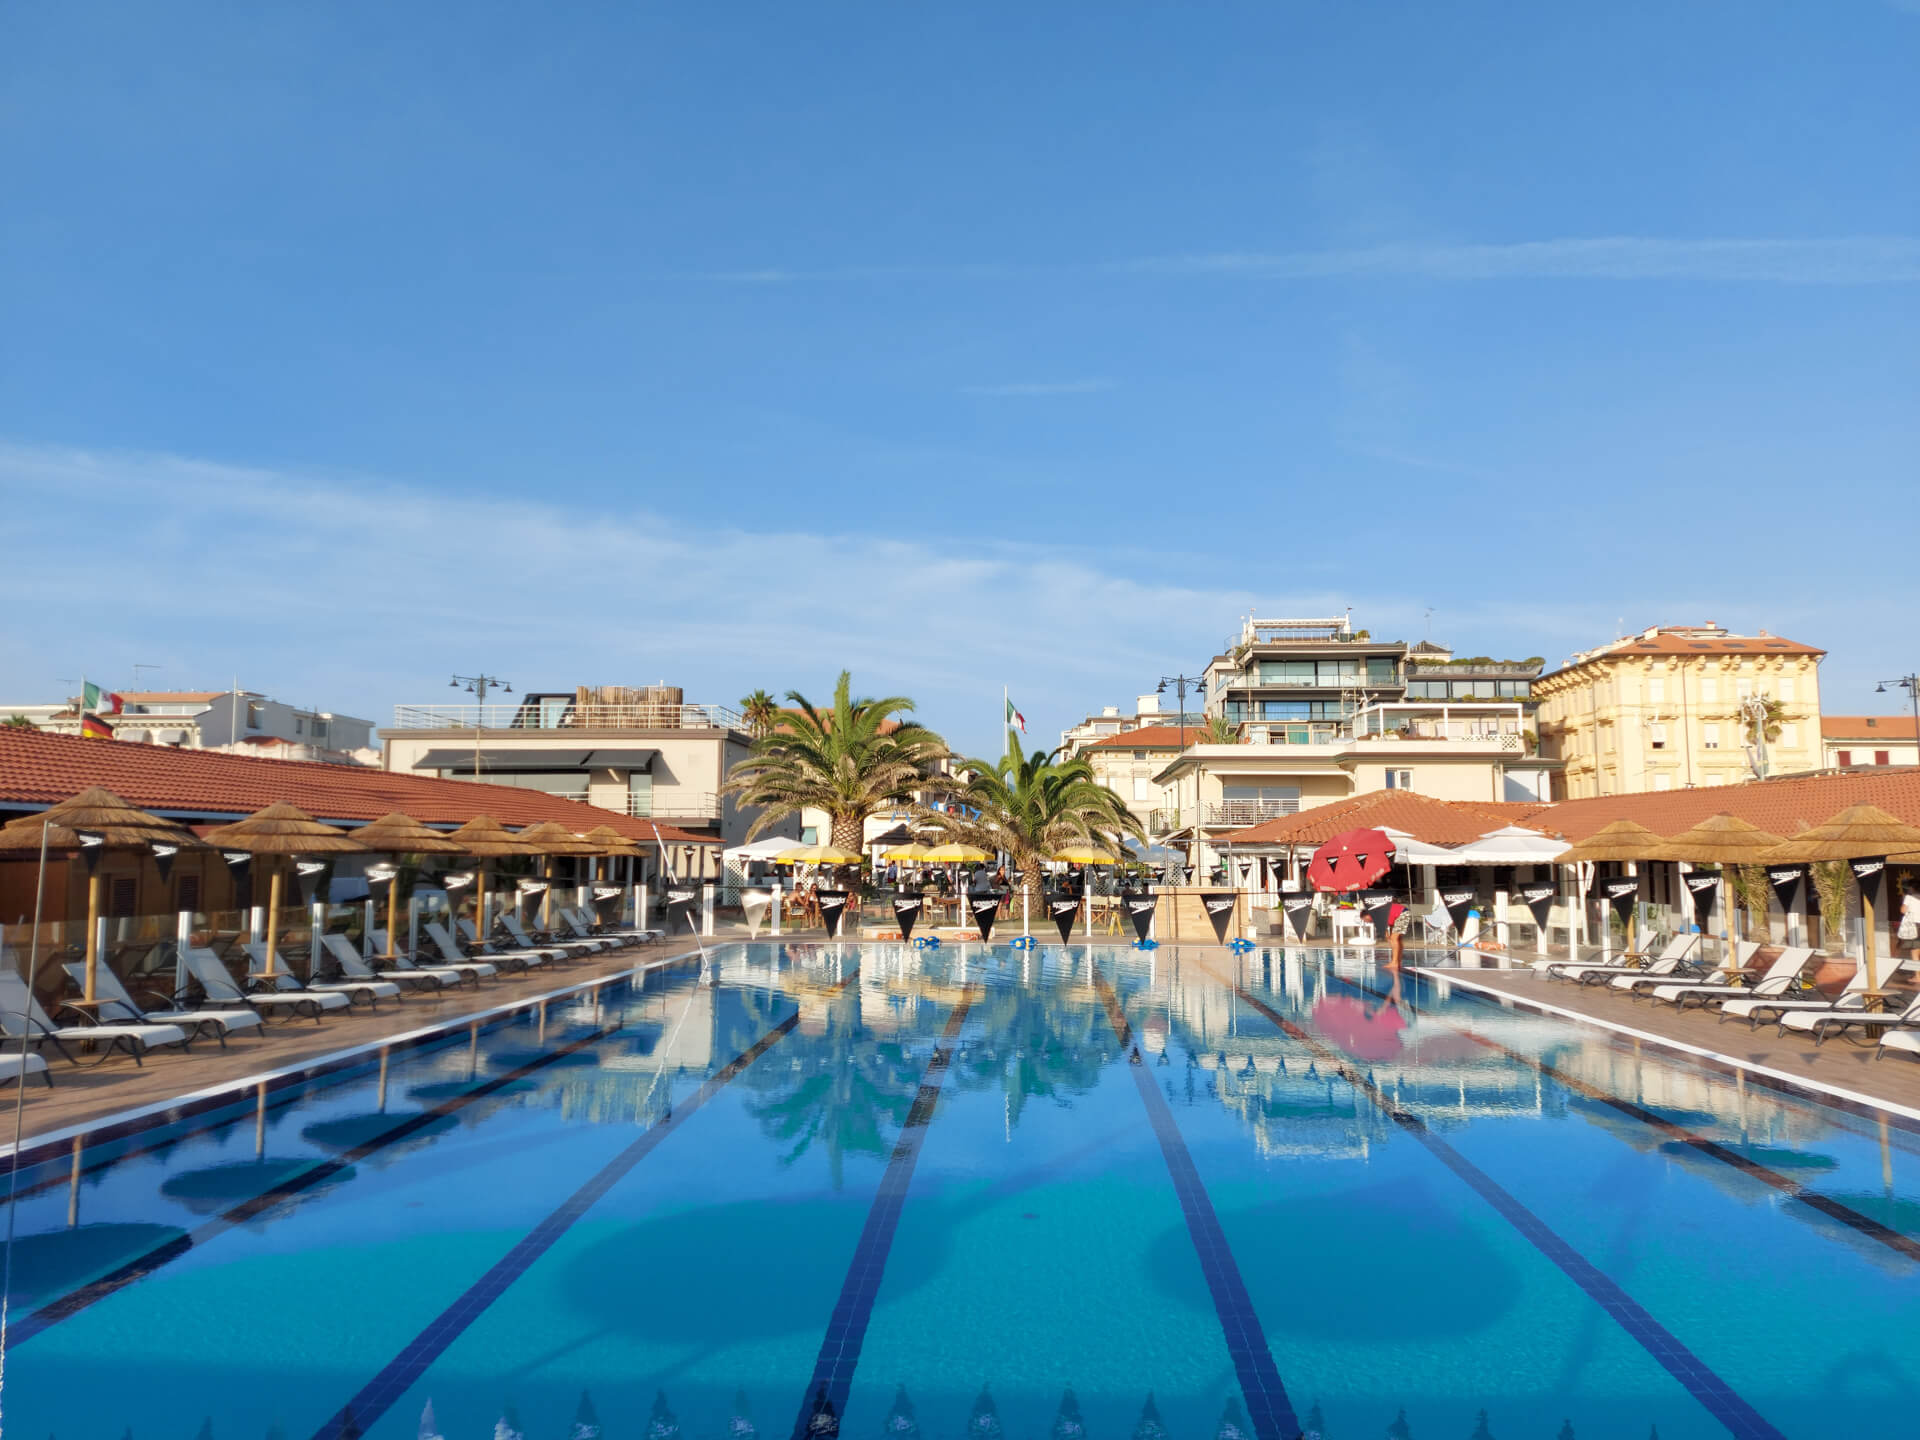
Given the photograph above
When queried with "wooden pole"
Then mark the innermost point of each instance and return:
(93, 935)
(273, 918)
(393, 910)
(1874, 999)
(480, 926)
(546, 900)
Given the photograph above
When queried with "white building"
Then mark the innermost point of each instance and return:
(236, 721)
(1848, 741)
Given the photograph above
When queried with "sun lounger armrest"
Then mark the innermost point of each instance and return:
(32, 1024)
(77, 1016)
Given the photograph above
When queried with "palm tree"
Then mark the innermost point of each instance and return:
(18, 722)
(1032, 805)
(760, 710)
(1221, 731)
(848, 760)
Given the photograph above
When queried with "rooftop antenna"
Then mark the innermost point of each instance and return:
(138, 668)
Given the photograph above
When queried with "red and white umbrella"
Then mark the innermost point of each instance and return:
(1351, 861)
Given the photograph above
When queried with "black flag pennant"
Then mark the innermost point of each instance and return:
(378, 873)
(1787, 881)
(1298, 910)
(1459, 900)
(163, 854)
(833, 908)
(1063, 910)
(92, 843)
(456, 880)
(1539, 899)
(240, 865)
(1703, 888)
(906, 913)
(532, 887)
(1871, 877)
(680, 900)
(986, 909)
(1219, 907)
(1140, 907)
(1379, 905)
(312, 877)
(605, 892)
(1621, 894)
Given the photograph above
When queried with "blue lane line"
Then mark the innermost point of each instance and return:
(1267, 1404)
(825, 1400)
(400, 1373)
(1719, 1398)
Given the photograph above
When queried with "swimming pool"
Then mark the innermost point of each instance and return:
(981, 1192)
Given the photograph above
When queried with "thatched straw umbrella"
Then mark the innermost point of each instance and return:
(398, 834)
(1724, 840)
(1865, 835)
(279, 830)
(612, 843)
(484, 838)
(1623, 840)
(92, 821)
(551, 838)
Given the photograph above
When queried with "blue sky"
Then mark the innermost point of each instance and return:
(347, 346)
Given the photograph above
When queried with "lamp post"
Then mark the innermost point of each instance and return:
(1180, 683)
(477, 686)
(1911, 684)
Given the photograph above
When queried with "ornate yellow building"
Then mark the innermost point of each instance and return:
(1681, 706)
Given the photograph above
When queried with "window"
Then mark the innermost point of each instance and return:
(809, 834)
(1338, 672)
(1656, 690)
(1142, 788)
(1880, 757)
(299, 726)
(256, 714)
(320, 731)
(640, 793)
(1381, 670)
(1710, 690)
(1744, 688)
(1845, 757)
(1513, 689)
(1786, 690)
(1789, 735)
(1285, 672)
(1139, 754)
(1709, 737)
(120, 896)
(1286, 709)
(1399, 779)
(186, 893)
(1426, 690)
(1657, 736)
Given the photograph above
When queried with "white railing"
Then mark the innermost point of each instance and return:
(568, 716)
(1249, 812)
(697, 805)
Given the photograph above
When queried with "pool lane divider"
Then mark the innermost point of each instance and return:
(1894, 1240)
(1268, 1407)
(400, 1373)
(252, 1208)
(1699, 1379)
(825, 1400)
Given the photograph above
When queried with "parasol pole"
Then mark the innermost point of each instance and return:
(393, 910)
(1874, 999)
(480, 927)
(273, 918)
(93, 934)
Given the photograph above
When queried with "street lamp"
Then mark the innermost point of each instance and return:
(477, 686)
(1180, 683)
(1911, 684)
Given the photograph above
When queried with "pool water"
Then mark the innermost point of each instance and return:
(980, 1192)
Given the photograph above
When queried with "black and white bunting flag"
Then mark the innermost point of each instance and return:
(1622, 894)
(1787, 882)
(1459, 901)
(1063, 911)
(163, 854)
(379, 873)
(1219, 907)
(1703, 889)
(680, 902)
(833, 908)
(456, 880)
(1871, 876)
(92, 844)
(906, 913)
(1538, 898)
(1140, 907)
(311, 876)
(986, 909)
(1379, 905)
(1298, 910)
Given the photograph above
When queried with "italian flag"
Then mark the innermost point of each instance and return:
(1016, 719)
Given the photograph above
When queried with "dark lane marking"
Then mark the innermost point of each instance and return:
(400, 1373)
(825, 1400)
(1719, 1398)
(1267, 1404)
(141, 1266)
(1866, 1225)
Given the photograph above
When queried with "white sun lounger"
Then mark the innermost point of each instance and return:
(1638, 985)
(1665, 963)
(340, 950)
(1780, 975)
(469, 936)
(581, 927)
(23, 1017)
(118, 1005)
(572, 949)
(451, 952)
(474, 970)
(1903, 1040)
(372, 992)
(210, 974)
(1840, 1018)
(1758, 1009)
(16, 1066)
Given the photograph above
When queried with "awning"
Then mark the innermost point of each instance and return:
(460, 760)
(898, 835)
(1510, 845)
(759, 849)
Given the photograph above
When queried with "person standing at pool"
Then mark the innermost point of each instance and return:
(1909, 930)
(1399, 921)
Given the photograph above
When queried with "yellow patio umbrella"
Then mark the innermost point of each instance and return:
(818, 855)
(956, 855)
(1860, 832)
(398, 834)
(281, 830)
(1085, 855)
(89, 822)
(913, 851)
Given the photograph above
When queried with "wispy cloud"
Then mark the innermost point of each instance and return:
(1042, 388)
(1832, 260)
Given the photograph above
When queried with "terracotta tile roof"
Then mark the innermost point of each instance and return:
(1779, 806)
(1438, 822)
(38, 769)
(1866, 727)
(1682, 641)
(1147, 737)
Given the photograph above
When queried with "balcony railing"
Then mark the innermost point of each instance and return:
(696, 805)
(570, 716)
(1249, 812)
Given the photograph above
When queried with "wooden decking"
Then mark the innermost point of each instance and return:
(1841, 1066)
